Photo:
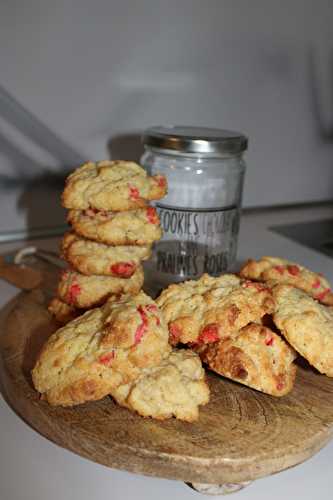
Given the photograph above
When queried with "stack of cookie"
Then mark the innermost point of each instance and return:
(113, 229)
(121, 349)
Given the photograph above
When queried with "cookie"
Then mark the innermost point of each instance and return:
(307, 325)
(135, 227)
(210, 309)
(102, 349)
(275, 270)
(256, 357)
(112, 185)
(62, 312)
(89, 257)
(175, 387)
(83, 291)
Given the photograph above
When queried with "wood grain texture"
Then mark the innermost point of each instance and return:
(241, 434)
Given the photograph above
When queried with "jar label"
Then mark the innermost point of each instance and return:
(196, 241)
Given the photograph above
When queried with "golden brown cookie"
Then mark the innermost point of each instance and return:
(112, 185)
(256, 357)
(62, 312)
(307, 325)
(274, 270)
(210, 309)
(89, 257)
(83, 292)
(134, 227)
(102, 349)
(175, 387)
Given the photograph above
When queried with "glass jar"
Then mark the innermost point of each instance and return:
(200, 214)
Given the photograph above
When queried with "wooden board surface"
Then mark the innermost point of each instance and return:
(241, 434)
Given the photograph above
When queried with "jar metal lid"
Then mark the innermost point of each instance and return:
(195, 140)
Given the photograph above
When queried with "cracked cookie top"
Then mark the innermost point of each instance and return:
(112, 185)
(103, 348)
(256, 357)
(83, 292)
(210, 309)
(133, 227)
(307, 325)
(275, 270)
(89, 257)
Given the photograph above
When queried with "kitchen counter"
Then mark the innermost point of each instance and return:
(32, 468)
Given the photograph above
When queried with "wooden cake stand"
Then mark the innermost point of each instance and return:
(241, 434)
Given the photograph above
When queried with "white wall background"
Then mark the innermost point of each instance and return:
(90, 71)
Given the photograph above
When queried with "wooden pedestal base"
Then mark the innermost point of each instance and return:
(218, 489)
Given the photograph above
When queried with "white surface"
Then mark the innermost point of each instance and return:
(91, 71)
(32, 468)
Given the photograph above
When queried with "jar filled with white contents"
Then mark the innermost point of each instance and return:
(200, 214)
